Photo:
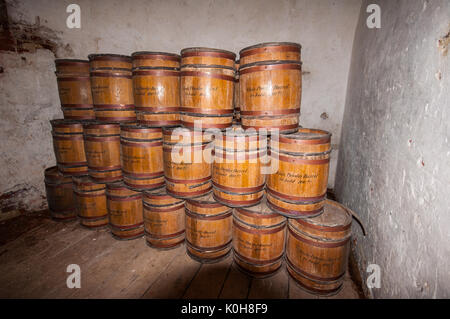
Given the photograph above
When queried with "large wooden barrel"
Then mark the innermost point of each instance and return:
(164, 219)
(207, 56)
(299, 186)
(141, 156)
(58, 189)
(90, 199)
(207, 95)
(237, 175)
(258, 240)
(155, 59)
(74, 88)
(271, 51)
(68, 146)
(102, 145)
(125, 211)
(317, 249)
(112, 87)
(237, 107)
(187, 162)
(208, 229)
(270, 95)
(156, 87)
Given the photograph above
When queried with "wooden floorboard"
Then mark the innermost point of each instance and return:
(33, 265)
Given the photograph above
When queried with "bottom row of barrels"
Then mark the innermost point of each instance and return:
(315, 250)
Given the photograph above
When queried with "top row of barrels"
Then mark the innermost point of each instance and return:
(201, 84)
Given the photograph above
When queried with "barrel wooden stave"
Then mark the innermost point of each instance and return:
(60, 199)
(270, 95)
(112, 88)
(271, 51)
(74, 88)
(90, 198)
(155, 59)
(125, 211)
(164, 219)
(102, 146)
(258, 239)
(317, 249)
(298, 188)
(207, 56)
(208, 229)
(68, 146)
(141, 156)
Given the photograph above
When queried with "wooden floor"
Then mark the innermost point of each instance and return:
(35, 252)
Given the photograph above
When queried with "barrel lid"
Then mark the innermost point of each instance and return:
(70, 61)
(186, 133)
(109, 57)
(60, 123)
(120, 185)
(100, 125)
(334, 215)
(167, 68)
(271, 44)
(306, 135)
(141, 127)
(213, 51)
(53, 175)
(140, 53)
(261, 208)
(206, 200)
(267, 63)
(207, 66)
(85, 180)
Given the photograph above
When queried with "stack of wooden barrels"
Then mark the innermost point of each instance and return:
(201, 149)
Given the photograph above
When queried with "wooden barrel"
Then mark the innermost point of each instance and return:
(317, 249)
(102, 145)
(208, 229)
(90, 199)
(112, 87)
(68, 146)
(207, 56)
(58, 189)
(157, 95)
(237, 107)
(258, 240)
(125, 211)
(270, 95)
(207, 95)
(299, 186)
(271, 51)
(155, 59)
(141, 156)
(74, 88)
(187, 162)
(163, 219)
(237, 175)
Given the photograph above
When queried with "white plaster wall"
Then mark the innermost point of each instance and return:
(325, 28)
(394, 164)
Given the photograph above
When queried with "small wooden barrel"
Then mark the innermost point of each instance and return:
(155, 59)
(207, 95)
(102, 145)
(258, 240)
(208, 229)
(68, 146)
(271, 51)
(163, 219)
(112, 87)
(90, 199)
(125, 211)
(270, 95)
(157, 95)
(317, 249)
(187, 162)
(237, 175)
(58, 189)
(298, 188)
(207, 56)
(141, 156)
(74, 88)
(237, 107)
